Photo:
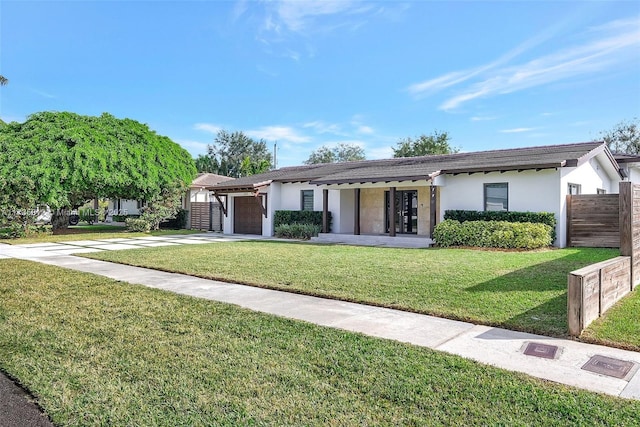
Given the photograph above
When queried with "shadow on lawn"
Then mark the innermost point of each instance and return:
(541, 290)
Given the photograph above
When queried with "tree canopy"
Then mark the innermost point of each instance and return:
(424, 145)
(340, 153)
(624, 137)
(62, 159)
(235, 154)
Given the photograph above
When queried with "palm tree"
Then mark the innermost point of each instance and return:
(3, 80)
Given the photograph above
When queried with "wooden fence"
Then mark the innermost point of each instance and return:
(592, 290)
(593, 220)
(200, 216)
(206, 216)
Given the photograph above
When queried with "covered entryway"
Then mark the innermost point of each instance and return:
(247, 215)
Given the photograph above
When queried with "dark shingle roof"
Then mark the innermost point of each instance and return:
(208, 180)
(426, 167)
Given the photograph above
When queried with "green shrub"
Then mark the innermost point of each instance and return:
(297, 231)
(299, 217)
(492, 234)
(17, 230)
(177, 223)
(87, 215)
(123, 218)
(547, 218)
(138, 225)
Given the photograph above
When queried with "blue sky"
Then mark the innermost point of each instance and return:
(306, 74)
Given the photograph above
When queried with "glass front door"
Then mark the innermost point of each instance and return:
(406, 206)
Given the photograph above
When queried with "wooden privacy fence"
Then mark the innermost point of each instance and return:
(593, 220)
(206, 216)
(200, 216)
(592, 290)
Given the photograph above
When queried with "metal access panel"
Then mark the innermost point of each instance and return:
(545, 351)
(611, 367)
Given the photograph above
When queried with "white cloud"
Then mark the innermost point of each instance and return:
(365, 129)
(517, 130)
(207, 127)
(357, 122)
(321, 127)
(194, 147)
(482, 118)
(298, 16)
(606, 47)
(379, 153)
(278, 133)
(43, 94)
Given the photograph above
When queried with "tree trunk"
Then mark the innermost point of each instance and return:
(60, 219)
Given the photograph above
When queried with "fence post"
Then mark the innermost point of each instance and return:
(568, 220)
(574, 305)
(627, 225)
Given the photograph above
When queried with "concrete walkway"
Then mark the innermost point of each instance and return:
(591, 367)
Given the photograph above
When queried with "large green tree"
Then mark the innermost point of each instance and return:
(62, 160)
(624, 137)
(424, 145)
(340, 153)
(235, 154)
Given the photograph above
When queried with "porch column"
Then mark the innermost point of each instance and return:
(356, 218)
(392, 211)
(433, 209)
(325, 211)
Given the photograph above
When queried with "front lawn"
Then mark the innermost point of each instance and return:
(94, 351)
(619, 326)
(517, 290)
(91, 232)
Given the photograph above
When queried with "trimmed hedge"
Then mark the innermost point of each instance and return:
(138, 225)
(297, 231)
(492, 234)
(299, 217)
(535, 217)
(177, 223)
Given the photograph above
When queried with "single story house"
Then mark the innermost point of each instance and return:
(410, 195)
(197, 195)
(205, 211)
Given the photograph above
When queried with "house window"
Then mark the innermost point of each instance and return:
(601, 191)
(306, 200)
(496, 197)
(574, 189)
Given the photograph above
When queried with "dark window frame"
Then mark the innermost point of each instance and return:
(496, 185)
(305, 194)
(571, 185)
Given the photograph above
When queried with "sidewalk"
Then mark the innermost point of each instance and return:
(591, 367)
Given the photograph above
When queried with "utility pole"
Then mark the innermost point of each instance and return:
(275, 155)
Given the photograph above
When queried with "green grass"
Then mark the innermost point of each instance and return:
(94, 351)
(619, 326)
(89, 232)
(517, 290)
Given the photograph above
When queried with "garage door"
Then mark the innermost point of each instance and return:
(247, 215)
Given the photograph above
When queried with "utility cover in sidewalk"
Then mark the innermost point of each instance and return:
(541, 350)
(608, 366)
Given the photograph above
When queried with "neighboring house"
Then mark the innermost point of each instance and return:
(124, 207)
(630, 165)
(357, 194)
(198, 196)
(204, 210)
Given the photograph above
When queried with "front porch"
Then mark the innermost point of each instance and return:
(397, 241)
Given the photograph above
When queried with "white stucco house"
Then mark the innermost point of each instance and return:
(357, 194)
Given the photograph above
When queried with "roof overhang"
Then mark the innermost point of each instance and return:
(517, 168)
(386, 179)
(246, 188)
